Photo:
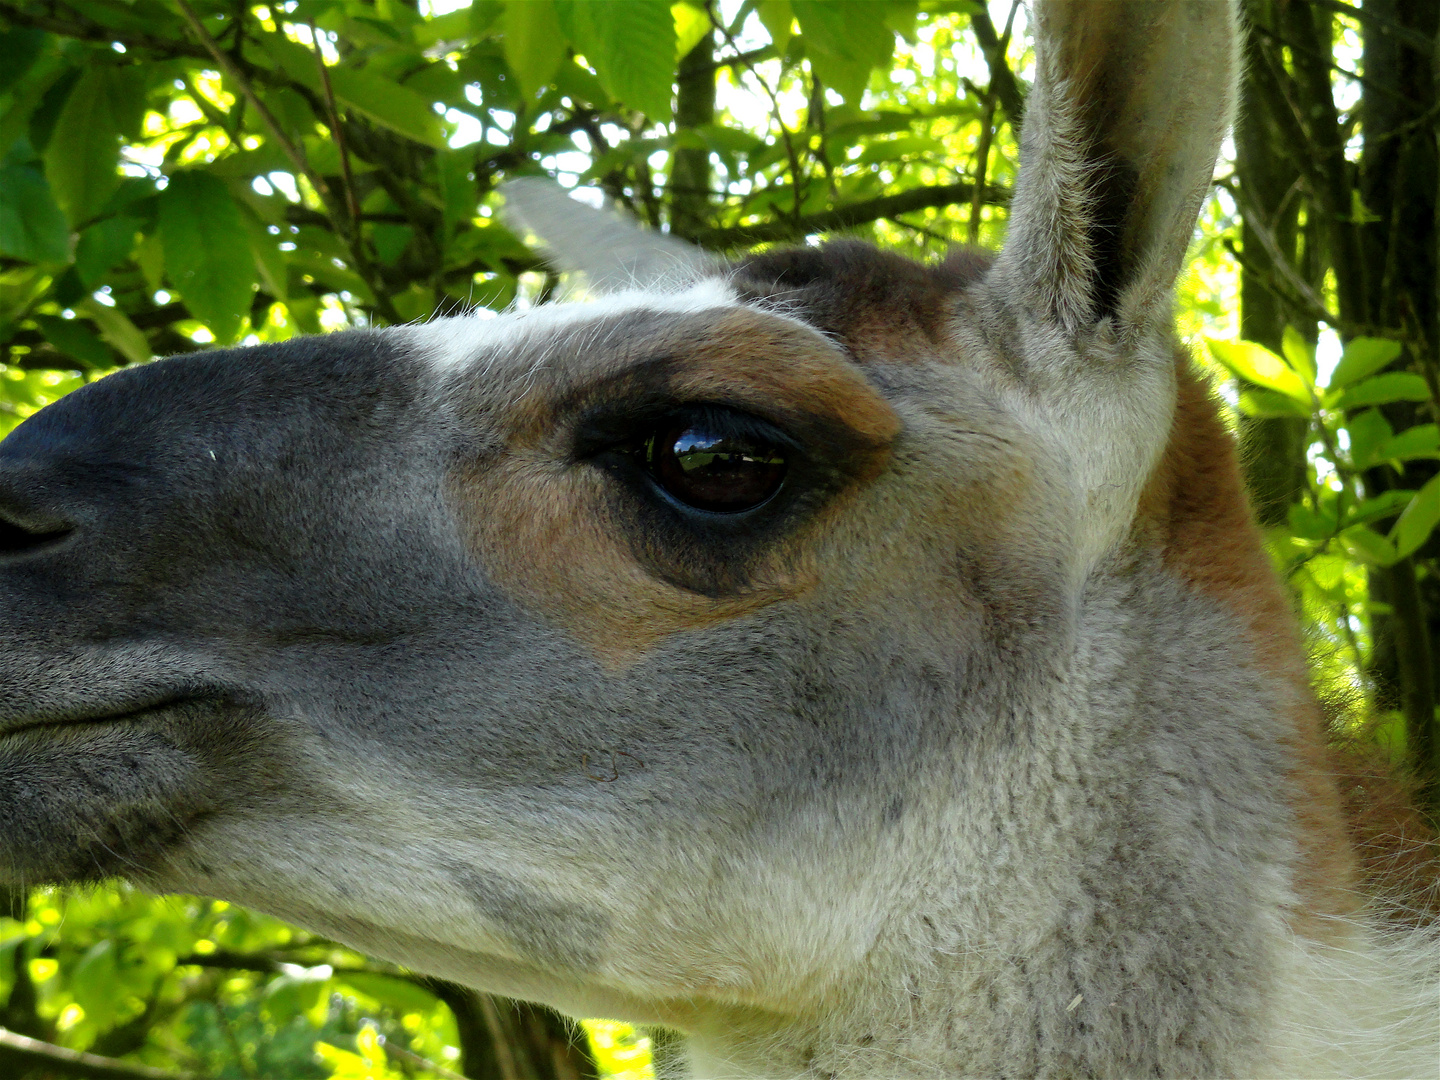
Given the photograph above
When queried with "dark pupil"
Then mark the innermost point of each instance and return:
(709, 470)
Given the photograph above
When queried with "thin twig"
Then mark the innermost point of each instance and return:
(296, 154)
(847, 217)
(795, 180)
(1302, 289)
(44, 1057)
(333, 117)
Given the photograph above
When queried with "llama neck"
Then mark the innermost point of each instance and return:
(1128, 926)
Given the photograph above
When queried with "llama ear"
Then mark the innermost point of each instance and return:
(610, 250)
(1131, 101)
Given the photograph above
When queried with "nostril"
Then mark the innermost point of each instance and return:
(18, 539)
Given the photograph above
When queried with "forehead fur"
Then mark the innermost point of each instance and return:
(876, 305)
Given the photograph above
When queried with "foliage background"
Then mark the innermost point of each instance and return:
(177, 174)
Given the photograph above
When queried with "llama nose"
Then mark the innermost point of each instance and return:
(26, 529)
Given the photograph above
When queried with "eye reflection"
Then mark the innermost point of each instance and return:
(703, 465)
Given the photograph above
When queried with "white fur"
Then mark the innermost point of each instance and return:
(1369, 1008)
(453, 344)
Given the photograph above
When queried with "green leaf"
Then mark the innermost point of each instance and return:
(1252, 362)
(389, 104)
(269, 259)
(1379, 390)
(207, 252)
(1369, 431)
(1385, 505)
(116, 328)
(1363, 356)
(778, 18)
(845, 41)
(82, 157)
(1420, 441)
(1268, 405)
(904, 146)
(32, 226)
(383, 100)
(1418, 520)
(533, 42)
(19, 49)
(92, 982)
(103, 246)
(76, 340)
(1298, 353)
(1308, 524)
(1367, 545)
(399, 994)
(692, 26)
(631, 46)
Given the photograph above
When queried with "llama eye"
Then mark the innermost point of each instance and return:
(701, 464)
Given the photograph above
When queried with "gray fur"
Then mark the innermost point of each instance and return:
(940, 773)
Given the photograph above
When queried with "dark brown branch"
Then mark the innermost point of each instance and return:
(26, 1054)
(1002, 80)
(83, 29)
(847, 217)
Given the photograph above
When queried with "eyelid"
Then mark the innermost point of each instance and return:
(631, 429)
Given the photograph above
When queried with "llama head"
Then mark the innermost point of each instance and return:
(668, 656)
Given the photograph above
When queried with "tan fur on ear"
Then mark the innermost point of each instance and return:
(1120, 136)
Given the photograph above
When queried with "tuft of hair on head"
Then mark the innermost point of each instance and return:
(611, 251)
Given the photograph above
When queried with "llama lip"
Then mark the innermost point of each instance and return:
(119, 715)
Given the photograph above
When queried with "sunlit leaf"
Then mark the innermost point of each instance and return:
(1308, 523)
(1268, 405)
(116, 328)
(844, 42)
(1378, 507)
(389, 104)
(631, 46)
(82, 158)
(1369, 431)
(1379, 390)
(1298, 353)
(533, 42)
(207, 251)
(692, 26)
(778, 18)
(1418, 520)
(1420, 441)
(1363, 356)
(1367, 545)
(1252, 362)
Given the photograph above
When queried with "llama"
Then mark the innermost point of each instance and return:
(867, 669)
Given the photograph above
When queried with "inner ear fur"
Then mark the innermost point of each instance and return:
(1122, 128)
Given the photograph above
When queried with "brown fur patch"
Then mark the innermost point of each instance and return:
(1195, 507)
(1397, 847)
(879, 305)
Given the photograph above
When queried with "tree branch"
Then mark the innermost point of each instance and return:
(847, 217)
(1002, 80)
(26, 1053)
(84, 29)
(296, 155)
